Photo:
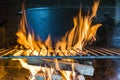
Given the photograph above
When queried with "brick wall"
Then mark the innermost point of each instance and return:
(8, 11)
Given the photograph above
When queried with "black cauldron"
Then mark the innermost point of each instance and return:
(54, 21)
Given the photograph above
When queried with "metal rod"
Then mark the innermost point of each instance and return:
(4, 51)
(111, 51)
(102, 51)
(61, 57)
(92, 53)
(9, 52)
(97, 52)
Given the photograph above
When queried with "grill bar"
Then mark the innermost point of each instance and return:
(112, 51)
(61, 57)
(101, 50)
(93, 53)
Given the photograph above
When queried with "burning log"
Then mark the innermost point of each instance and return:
(43, 73)
(58, 77)
(54, 77)
(80, 68)
(81, 77)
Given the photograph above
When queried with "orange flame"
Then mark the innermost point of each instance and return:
(82, 33)
(71, 44)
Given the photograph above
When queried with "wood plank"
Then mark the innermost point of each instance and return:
(80, 68)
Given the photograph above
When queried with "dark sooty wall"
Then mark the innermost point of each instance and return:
(9, 21)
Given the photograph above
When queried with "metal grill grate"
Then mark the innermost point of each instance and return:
(93, 53)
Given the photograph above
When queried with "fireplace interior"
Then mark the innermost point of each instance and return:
(103, 54)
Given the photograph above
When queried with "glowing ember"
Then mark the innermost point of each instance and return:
(72, 43)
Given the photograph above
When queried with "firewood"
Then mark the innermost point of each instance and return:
(81, 77)
(54, 77)
(43, 73)
(58, 77)
(80, 68)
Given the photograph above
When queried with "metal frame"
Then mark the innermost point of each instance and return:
(93, 53)
(61, 57)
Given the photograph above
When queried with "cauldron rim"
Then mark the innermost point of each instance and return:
(46, 8)
(49, 8)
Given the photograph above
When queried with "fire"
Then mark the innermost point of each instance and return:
(82, 33)
(71, 44)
